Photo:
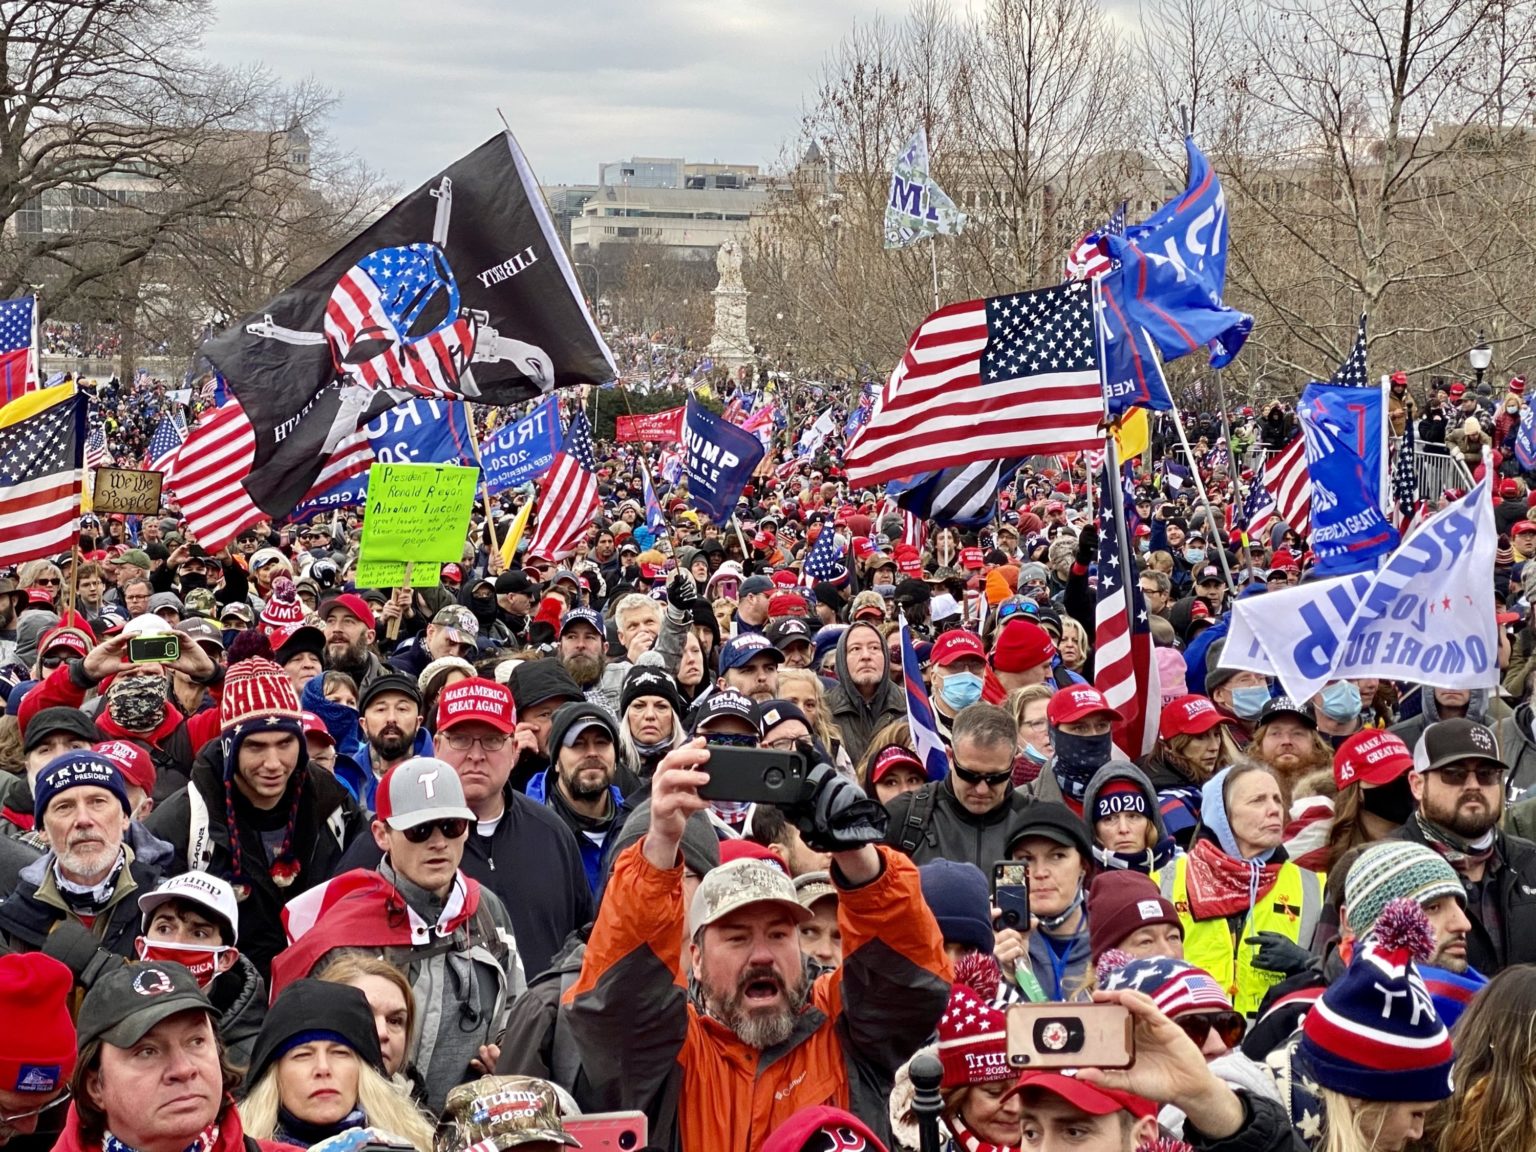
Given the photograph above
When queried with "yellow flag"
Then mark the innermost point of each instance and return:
(1132, 434)
(515, 533)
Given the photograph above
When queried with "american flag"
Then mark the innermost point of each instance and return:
(379, 303)
(1089, 259)
(568, 498)
(163, 445)
(1258, 509)
(1123, 668)
(1288, 485)
(206, 476)
(920, 722)
(821, 561)
(42, 441)
(1014, 375)
(655, 520)
(914, 530)
(1405, 484)
(18, 348)
(96, 447)
(1351, 373)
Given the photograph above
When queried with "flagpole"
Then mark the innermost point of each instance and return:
(933, 260)
(1205, 501)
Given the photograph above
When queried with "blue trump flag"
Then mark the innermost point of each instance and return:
(419, 431)
(523, 450)
(720, 461)
(1173, 268)
(1342, 421)
(654, 519)
(1525, 439)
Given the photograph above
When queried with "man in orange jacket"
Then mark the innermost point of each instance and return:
(722, 1051)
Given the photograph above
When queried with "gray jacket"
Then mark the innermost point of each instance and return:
(857, 718)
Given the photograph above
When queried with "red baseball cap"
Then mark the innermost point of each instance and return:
(1522, 527)
(39, 596)
(1094, 1099)
(453, 574)
(743, 849)
(476, 699)
(972, 559)
(1457, 389)
(133, 762)
(892, 756)
(353, 603)
(1371, 757)
(61, 636)
(1188, 716)
(314, 726)
(957, 644)
(1076, 701)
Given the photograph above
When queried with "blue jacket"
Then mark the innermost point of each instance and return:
(591, 852)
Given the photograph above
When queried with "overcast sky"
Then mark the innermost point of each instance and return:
(580, 81)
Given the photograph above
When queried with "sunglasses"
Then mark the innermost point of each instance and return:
(452, 829)
(983, 779)
(1487, 776)
(1230, 1026)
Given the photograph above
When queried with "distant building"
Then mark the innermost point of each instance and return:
(688, 209)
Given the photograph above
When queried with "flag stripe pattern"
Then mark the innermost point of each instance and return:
(1123, 667)
(207, 475)
(18, 354)
(1286, 480)
(163, 445)
(920, 721)
(569, 498)
(41, 447)
(1405, 482)
(987, 379)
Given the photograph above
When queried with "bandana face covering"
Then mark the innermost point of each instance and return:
(1077, 759)
(202, 962)
(137, 703)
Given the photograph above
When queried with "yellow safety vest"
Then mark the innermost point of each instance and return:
(1291, 908)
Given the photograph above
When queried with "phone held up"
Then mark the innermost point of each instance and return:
(1054, 1035)
(1010, 895)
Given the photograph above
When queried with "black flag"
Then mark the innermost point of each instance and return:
(460, 292)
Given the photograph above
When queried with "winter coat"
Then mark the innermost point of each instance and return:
(239, 996)
(1517, 748)
(931, 824)
(856, 718)
(1482, 706)
(637, 1029)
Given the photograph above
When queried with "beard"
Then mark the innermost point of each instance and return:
(1291, 767)
(1457, 964)
(587, 781)
(759, 1027)
(585, 670)
(347, 657)
(391, 742)
(1469, 821)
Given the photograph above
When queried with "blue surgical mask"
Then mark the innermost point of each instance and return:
(1034, 755)
(1249, 702)
(886, 590)
(961, 689)
(1195, 555)
(1341, 701)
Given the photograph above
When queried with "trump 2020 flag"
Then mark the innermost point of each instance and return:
(916, 206)
(462, 291)
(721, 459)
(1427, 617)
(924, 729)
(1525, 439)
(1173, 269)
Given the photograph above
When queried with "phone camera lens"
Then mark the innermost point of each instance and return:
(628, 1140)
(774, 777)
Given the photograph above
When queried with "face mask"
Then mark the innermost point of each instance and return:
(1078, 758)
(1034, 755)
(1195, 555)
(960, 689)
(1144, 547)
(1341, 701)
(191, 580)
(1392, 802)
(202, 962)
(886, 590)
(136, 703)
(1249, 702)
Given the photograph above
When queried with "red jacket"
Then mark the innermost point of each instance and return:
(232, 1137)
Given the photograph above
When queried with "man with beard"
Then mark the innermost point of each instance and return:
(578, 787)
(1458, 787)
(1286, 741)
(749, 663)
(349, 636)
(75, 902)
(758, 1040)
(389, 713)
(583, 645)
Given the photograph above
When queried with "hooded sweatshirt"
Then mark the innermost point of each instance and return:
(857, 718)
(1149, 860)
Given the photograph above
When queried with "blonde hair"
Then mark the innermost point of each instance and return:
(1495, 1071)
(1351, 1124)
(821, 725)
(1070, 626)
(385, 1106)
(346, 967)
(1021, 698)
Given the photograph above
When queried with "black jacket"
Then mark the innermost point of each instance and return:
(531, 861)
(945, 829)
(328, 820)
(239, 996)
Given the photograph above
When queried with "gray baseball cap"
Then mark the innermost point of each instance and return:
(738, 884)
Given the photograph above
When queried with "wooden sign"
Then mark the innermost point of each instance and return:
(127, 490)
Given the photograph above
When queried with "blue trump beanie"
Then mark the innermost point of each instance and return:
(78, 769)
(960, 900)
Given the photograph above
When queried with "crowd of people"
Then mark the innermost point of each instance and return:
(288, 861)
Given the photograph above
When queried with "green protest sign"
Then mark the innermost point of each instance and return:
(391, 574)
(418, 512)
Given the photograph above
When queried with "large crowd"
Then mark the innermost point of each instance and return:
(445, 868)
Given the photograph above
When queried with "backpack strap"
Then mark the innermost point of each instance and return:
(919, 814)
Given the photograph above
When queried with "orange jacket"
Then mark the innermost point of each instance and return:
(644, 1040)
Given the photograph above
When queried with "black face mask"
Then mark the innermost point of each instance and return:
(1391, 802)
(192, 580)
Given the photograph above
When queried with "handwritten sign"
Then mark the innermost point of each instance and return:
(418, 512)
(391, 574)
(125, 490)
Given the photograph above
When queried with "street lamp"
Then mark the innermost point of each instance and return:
(1480, 356)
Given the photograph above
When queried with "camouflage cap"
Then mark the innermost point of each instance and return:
(501, 1112)
(459, 623)
(201, 602)
(738, 884)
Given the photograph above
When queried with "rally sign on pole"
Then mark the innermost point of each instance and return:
(1426, 617)
(651, 427)
(523, 450)
(720, 461)
(1343, 430)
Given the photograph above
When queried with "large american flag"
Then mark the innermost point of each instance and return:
(1289, 490)
(1405, 483)
(569, 496)
(1015, 375)
(1123, 667)
(163, 445)
(18, 348)
(42, 442)
(206, 476)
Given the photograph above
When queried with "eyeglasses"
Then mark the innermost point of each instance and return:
(784, 743)
(8, 1121)
(459, 742)
(1487, 775)
(1230, 1026)
(451, 828)
(983, 779)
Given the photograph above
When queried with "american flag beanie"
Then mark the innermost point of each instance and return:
(1375, 1034)
(1175, 986)
(973, 1040)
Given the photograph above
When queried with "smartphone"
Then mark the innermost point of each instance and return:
(154, 649)
(1070, 1036)
(616, 1131)
(755, 775)
(1010, 894)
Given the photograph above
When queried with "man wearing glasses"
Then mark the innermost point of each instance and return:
(578, 786)
(1458, 790)
(37, 1054)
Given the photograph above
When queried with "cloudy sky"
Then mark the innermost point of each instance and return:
(580, 81)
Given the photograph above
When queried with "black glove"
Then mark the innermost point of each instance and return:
(1278, 954)
(71, 945)
(682, 590)
(834, 814)
(1087, 544)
